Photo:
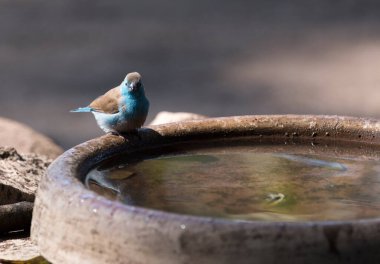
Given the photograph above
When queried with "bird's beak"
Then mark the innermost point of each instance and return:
(132, 87)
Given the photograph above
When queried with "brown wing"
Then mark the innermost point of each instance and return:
(108, 102)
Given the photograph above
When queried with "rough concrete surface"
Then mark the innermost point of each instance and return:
(17, 249)
(20, 175)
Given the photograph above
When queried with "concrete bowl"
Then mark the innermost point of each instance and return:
(72, 224)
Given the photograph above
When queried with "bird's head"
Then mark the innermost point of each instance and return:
(133, 82)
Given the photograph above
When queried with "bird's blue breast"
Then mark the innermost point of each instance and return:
(133, 110)
(132, 107)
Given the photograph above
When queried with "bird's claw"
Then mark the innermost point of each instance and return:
(134, 133)
(117, 134)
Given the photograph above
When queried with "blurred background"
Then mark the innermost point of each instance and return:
(211, 57)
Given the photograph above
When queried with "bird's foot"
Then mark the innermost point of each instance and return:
(126, 135)
(115, 133)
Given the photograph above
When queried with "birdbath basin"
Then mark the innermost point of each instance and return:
(246, 189)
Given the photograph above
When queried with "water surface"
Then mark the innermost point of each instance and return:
(285, 183)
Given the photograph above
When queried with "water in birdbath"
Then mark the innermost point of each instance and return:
(257, 182)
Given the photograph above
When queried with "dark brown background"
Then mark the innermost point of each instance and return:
(211, 57)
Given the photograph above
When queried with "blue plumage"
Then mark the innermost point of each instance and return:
(82, 110)
(123, 108)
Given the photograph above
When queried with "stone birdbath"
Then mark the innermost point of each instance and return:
(72, 224)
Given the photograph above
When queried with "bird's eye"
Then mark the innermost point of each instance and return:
(138, 85)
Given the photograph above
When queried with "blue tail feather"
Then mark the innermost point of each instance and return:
(82, 109)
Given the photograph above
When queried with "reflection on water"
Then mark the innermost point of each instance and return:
(249, 184)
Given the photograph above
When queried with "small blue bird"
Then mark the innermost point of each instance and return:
(122, 109)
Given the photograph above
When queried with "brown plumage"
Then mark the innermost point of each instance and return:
(107, 103)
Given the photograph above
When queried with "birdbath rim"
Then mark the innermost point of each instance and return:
(64, 206)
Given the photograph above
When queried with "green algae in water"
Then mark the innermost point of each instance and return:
(249, 185)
